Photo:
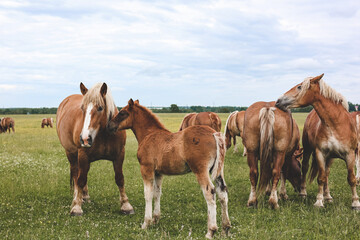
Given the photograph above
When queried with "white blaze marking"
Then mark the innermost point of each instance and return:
(85, 131)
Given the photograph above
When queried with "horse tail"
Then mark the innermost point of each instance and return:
(314, 170)
(227, 131)
(215, 121)
(267, 119)
(218, 166)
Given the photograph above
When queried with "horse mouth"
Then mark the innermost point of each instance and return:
(85, 145)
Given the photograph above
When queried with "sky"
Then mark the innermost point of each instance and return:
(210, 53)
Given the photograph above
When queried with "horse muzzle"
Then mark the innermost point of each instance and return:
(86, 142)
(283, 103)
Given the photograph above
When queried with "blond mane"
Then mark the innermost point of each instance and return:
(94, 96)
(326, 91)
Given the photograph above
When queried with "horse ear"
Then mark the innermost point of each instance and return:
(131, 103)
(137, 101)
(103, 90)
(83, 89)
(316, 79)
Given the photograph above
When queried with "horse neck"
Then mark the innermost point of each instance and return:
(331, 114)
(144, 124)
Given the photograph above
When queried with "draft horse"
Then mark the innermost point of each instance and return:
(7, 123)
(47, 122)
(271, 136)
(356, 117)
(198, 149)
(203, 118)
(234, 127)
(329, 132)
(81, 123)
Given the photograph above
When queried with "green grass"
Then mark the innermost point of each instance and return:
(35, 196)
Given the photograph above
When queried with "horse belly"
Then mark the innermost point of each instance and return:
(172, 162)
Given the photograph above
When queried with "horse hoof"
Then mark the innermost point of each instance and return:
(319, 204)
(210, 234)
(356, 208)
(284, 196)
(252, 204)
(128, 212)
(329, 200)
(76, 211)
(225, 231)
(156, 219)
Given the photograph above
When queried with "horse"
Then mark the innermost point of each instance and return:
(234, 127)
(356, 117)
(329, 132)
(198, 149)
(7, 123)
(203, 118)
(272, 136)
(81, 124)
(47, 122)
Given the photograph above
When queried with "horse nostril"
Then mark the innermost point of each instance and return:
(90, 140)
(81, 140)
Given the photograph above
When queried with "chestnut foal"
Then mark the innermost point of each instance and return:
(234, 127)
(198, 149)
(203, 118)
(329, 132)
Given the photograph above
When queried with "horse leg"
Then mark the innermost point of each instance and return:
(148, 178)
(352, 180)
(235, 146)
(126, 207)
(222, 192)
(157, 195)
(252, 162)
(282, 191)
(245, 152)
(321, 178)
(327, 196)
(208, 190)
(304, 170)
(278, 161)
(357, 162)
(80, 183)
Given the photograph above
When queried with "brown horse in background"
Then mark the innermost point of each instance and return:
(7, 123)
(47, 122)
(234, 127)
(329, 132)
(81, 123)
(198, 149)
(272, 136)
(203, 118)
(356, 117)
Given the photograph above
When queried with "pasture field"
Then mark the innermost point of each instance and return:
(35, 196)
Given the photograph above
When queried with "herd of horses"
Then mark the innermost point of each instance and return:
(90, 128)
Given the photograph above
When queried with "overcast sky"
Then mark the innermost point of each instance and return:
(210, 53)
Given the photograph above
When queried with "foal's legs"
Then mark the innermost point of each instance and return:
(222, 192)
(304, 169)
(157, 195)
(235, 146)
(352, 180)
(208, 190)
(278, 162)
(148, 178)
(253, 165)
(80, 183)
(126, 207)
(327, 196)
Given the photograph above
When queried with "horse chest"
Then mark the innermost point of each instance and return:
(332, 146)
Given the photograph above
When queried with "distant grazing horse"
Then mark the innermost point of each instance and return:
(47, 122)
(234, 127)
(203, 118)
(329, 132)
(356, 117)
(272, 136)
(7, 123)
(81, 123)
(198, 149)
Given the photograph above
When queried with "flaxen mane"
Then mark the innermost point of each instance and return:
(326, 91)
(94, 96)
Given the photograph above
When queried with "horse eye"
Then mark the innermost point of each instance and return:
(100, 108)
(299, 87)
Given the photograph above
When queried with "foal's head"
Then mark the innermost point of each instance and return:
(124, 119)
(294, 169)
(97, 107)
(301, 95)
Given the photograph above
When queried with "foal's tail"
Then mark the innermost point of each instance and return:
(227, 131)
(218, 166)
(267, 119)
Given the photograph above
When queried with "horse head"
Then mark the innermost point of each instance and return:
(301, 95)
(294, 170)
(124, 119)
(97, 107)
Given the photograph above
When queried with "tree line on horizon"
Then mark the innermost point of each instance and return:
(173, 108)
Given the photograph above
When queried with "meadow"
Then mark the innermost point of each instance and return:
(35, 196)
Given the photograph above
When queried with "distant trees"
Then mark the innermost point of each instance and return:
(174, 108)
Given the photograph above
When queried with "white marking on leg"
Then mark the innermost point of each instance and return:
(157, 195)
(148, 192)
